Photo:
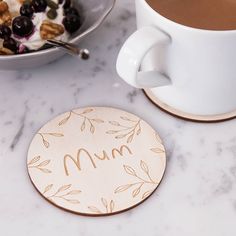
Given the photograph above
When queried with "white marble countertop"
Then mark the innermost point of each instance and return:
(198, 193)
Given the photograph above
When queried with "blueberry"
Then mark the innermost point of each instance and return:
(71, 11)
(71, 23)
(26, 50)
(11, 44)
(23, 50)
(27, 10)
(39, 5)
(67, 4)
(22, 26)
(5, 32)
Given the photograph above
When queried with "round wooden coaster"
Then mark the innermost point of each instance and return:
(187, 116)
(96, 161)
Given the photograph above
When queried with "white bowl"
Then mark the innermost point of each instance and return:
(91, 11)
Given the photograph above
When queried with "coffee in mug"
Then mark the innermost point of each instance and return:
(202, 14)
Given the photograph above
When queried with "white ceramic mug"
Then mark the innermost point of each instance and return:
(189, 69)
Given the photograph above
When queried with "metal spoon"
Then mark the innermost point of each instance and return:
(72, 48)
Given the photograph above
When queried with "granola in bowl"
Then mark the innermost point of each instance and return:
(26, 24)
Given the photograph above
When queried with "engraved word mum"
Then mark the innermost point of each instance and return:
(92, 158)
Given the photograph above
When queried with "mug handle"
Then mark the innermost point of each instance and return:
(131, 56)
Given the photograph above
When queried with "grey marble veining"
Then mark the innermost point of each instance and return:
(198, 193)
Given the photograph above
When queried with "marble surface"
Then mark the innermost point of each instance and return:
(198, 193)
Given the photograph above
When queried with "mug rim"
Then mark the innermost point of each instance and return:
(185, 26)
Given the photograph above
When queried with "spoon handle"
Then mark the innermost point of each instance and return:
(70, 48)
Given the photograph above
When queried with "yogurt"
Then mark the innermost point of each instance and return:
(34, 41)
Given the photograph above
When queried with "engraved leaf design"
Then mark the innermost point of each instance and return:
(136, 192)
(47, 188)
(92, 129)
(46, 143)
(94, 209)
(146, 194)
(129, 170)
(121, 136)
(83, 126)
(138, 131)
(123, 188)
(62, 122)
(44, 163)
(141, 181)
(34, 160)
(73, 201)
(130, 138)
(112, 206)
(115, 123)
(39, 166)
(157, 150)
(104, 202)
(60, 194)
(129, 131)
(56, 134)
(85, 120)
(87, 111)
(98, 120)
(64, 187)
(112, 131)
(144, 166)
(73, 192)
(125, 118)
(46, 171)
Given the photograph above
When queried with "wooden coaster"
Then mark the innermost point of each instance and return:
(187, 116)
(96, 161)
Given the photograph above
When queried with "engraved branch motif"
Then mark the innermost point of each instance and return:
(124, 131)
(140, 181)
(62, 193)
(158, 149)
(45, 141)
(109, 207)
(85, 120)
(35, 163)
